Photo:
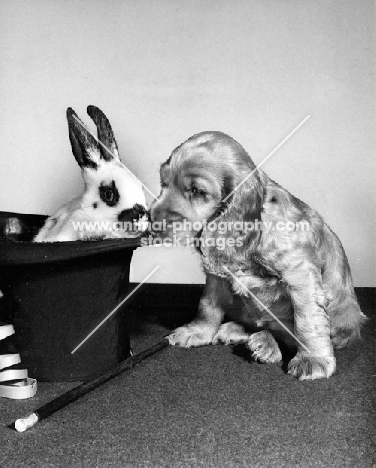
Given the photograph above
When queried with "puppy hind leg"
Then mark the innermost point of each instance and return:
(346, 320)
(345, 316)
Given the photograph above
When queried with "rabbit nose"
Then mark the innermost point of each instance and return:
(133, 214)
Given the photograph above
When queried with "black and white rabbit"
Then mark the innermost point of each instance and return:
(113, 202)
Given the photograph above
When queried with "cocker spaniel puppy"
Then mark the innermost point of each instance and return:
(262, 247)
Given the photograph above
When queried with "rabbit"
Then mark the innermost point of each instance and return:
(113, 202)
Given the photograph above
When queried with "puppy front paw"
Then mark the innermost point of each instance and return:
(192, 335)
(230, 333)
(305, 367)
(264, 347)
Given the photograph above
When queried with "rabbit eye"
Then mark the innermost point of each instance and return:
(109, 194)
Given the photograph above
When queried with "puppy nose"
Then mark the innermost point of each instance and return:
(133, 214)
(157, 213)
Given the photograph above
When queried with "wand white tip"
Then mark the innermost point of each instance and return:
(23, 424)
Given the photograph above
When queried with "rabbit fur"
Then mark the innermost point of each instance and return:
(113, 203)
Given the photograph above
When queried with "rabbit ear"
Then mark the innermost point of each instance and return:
(84, 146)
(109, 148)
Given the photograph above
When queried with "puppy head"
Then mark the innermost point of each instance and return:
(197, 184)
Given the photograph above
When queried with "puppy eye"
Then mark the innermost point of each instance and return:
(197, 192)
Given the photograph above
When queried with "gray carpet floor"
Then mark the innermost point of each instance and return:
(206, 407)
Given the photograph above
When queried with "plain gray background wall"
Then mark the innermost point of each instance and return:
(163, 70)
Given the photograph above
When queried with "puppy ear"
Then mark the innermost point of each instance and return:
(109, 148)
(234, 231)
(245, 205)
(245, 196)
(84, 146)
